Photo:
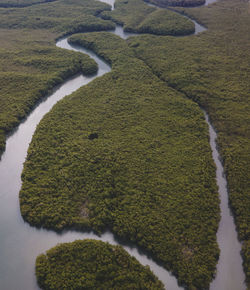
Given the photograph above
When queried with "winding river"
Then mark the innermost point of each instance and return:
(20, 244)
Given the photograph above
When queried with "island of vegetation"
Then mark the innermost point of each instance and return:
(113, 197)
(30, 63)
(91, 264)
(137, 16)
(148, 177)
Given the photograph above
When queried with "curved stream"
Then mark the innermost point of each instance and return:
(20, 243)
(230, 274)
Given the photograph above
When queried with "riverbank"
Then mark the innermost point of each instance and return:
(212, 69)
(139, 186)
(31, 66)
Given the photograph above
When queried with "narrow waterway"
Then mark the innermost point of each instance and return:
(230, 275)
(198, 28)
(20, 244)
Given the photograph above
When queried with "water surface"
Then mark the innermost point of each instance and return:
(20, 243)
(230, 274)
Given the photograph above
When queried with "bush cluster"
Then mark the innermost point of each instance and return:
(91, 264)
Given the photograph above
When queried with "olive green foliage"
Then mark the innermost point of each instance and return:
(64, 17)
(182, 3)
(21, 3)
(137, 16)
(166, 22)
(30, 63)
(246, 261)
(91, 264)
(129, 13)
(213, 69)
(29, 73)
(148, 175)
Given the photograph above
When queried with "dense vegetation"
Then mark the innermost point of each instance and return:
(166, 22)
(30, 63)
(183, 3)
(60, 17)
(21, 3)
(213, 70)
(147, 175)
(29, 73)
(91, 264)
(136, 16)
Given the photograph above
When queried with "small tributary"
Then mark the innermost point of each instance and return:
(20, 243)
(230, 275)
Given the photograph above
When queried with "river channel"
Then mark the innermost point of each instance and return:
(20, 243)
